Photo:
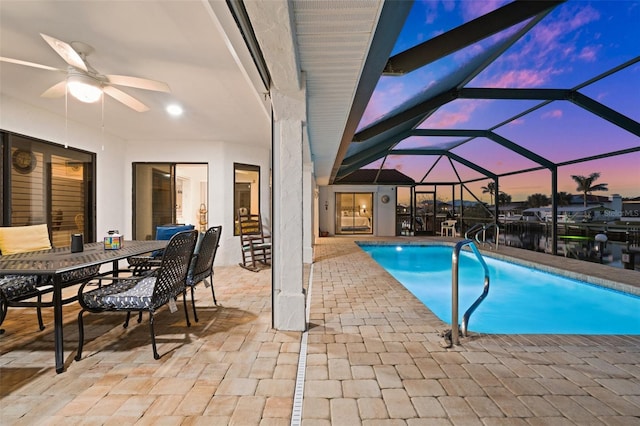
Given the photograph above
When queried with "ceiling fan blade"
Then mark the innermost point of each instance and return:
(139, 83)
(66, 52)
(126, 99)
(55, 91)
(29, 64)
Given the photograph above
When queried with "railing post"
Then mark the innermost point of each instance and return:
(455, 256)
(455, 336)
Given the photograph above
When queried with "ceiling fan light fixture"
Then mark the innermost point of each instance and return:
(84, 88)
(174, 110)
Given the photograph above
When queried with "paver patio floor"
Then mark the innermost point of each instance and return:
(373, 357)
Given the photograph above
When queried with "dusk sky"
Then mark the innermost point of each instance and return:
(576, 42)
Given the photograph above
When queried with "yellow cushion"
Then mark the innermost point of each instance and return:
(21, 239)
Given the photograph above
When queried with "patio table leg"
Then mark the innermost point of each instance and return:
(57, 321)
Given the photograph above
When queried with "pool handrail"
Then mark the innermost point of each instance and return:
(484, 234)
(455, 338)
(475, 230)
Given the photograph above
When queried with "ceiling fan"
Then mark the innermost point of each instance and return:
(84, 82)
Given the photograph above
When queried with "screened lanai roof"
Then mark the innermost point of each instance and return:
(492, 89)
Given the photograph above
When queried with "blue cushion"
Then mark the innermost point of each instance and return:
(165, 232)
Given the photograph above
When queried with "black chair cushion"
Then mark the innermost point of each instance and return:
(15, 286)
(121, 295)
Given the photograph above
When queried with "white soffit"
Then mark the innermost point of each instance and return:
(333, 39)
(326, 43)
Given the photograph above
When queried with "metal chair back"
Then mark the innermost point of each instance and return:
(172, 273)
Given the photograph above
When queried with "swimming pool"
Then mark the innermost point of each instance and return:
(521, 300)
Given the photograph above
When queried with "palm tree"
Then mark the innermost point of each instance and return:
(504, 198)
(538, 200)
(563, 198)
(586, 186)
(490, 189)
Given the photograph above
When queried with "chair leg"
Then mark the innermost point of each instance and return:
(126, 322)
(186, 311)
(3, 312)
(156, 355)
(39, 312)
(193, 303)
(213, 293)
(80, 336)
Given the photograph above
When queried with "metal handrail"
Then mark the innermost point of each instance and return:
(474, 229)
(484, 234)
(455, 338)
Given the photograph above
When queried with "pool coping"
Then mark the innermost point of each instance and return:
(589, 272)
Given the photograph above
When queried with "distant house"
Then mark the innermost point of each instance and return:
(578, 199)
(512, 211)
(631, 210)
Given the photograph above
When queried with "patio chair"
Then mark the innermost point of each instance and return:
(143, 293)
(254, 244)
(202, 263)
(20, 290)
(140, 265)
(448, 228)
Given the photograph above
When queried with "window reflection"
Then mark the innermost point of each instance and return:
(169, 193)
(49, 184)
(354, 213)
(246, 192)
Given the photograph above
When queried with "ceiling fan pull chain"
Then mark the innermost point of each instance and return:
(66, 117)
(102, 124)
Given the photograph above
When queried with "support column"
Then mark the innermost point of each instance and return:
(554, 210)
(287, 245)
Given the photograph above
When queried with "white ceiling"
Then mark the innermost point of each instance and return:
(176, 42)
(195, 47)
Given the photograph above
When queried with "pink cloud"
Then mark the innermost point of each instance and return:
(550, 42)
(473, 9)
(588, 53)
(521, 78)
(556, 113)
(454, 114)
(380, 102)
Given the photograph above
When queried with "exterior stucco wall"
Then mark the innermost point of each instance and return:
(384, 214)
(114, 169)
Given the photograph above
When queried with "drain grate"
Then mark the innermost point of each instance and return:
(296, 414)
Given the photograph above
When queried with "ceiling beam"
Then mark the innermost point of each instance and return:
(465, 35)
(600, 156)
(498, 93)
(415, 112)
(368, 155)
(500, 140)
(606, 113)
(444, 152)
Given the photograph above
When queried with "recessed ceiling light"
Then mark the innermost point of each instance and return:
(174, 110)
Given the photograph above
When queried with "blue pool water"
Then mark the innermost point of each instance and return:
(521, 300)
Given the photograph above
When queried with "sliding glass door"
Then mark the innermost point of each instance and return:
(354, 213)
(168, 193)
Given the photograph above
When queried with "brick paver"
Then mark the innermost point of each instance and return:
(374, 358)
(487, 380)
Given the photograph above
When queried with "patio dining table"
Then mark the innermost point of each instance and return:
(58, 261)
